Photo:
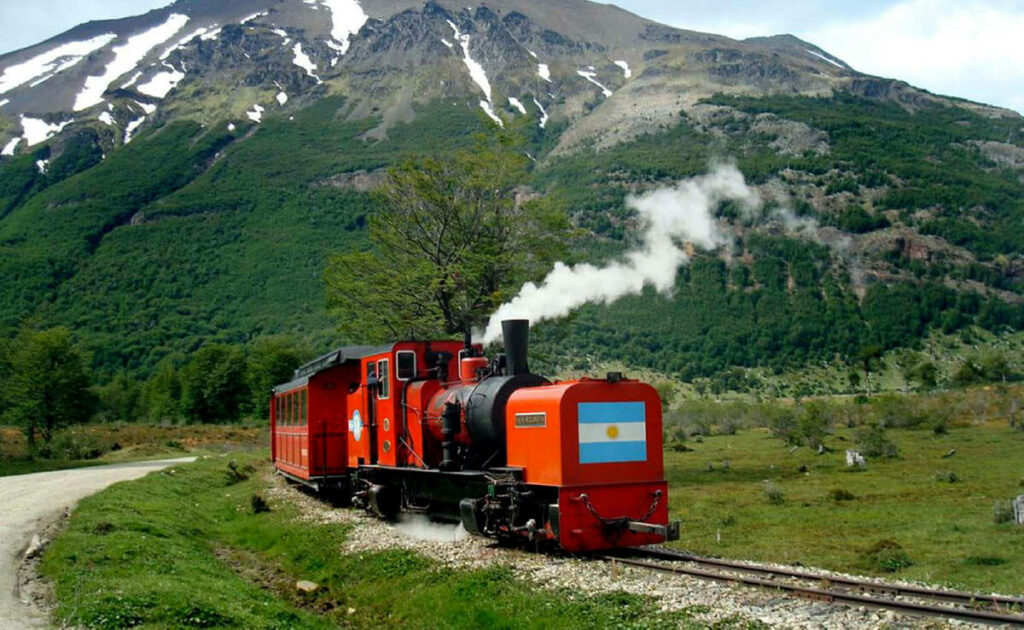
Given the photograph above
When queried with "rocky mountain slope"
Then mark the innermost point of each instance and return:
(182, 176)
(557, 61)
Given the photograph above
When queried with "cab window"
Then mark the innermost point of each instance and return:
(382, 373)
(405, 365)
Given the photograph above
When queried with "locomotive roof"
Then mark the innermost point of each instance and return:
(338, 357)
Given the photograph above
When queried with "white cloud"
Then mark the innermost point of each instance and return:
(967, 49)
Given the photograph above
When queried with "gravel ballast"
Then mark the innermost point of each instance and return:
(706, 601)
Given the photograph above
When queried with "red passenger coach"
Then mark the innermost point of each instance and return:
(436, 428)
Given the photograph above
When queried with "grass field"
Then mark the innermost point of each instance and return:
(98, 444)
(184, 548)
(947, 529)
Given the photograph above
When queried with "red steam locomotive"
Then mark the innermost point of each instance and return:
(436, 428)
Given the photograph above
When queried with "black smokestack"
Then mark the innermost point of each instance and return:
(516, 333)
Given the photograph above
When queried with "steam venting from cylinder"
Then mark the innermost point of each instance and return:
(516, 333)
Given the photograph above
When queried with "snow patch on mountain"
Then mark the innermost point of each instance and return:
(255, 16)
(126, 57)
(347, 17)
(303, 61)
(284, 35)
(831, 61)
(515, 102)
(129, 131)
(626, 72)
(146, 107)
(4, 102)
(544, 72)
(590, 76)
(543, 113)
(202, 30)
(52, 62)
(42, 166)
(36, 130)
(130, 82)
(11, 146)
(211, 35)
(107, 119)
(282, 98)
(447, 43)
(476, 71)
(486, 106)
(161, 84)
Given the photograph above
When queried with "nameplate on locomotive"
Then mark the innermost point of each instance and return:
(531, 420)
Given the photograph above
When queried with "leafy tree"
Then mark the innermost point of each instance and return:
(453, 238)
(213, 386)
(120, 399)
(271, 361)
(6, 349)
(48, 387)
(161, 395)
(927, 374)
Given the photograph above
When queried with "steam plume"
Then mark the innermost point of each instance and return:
(670, 217)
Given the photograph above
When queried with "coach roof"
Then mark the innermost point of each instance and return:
(339, 357)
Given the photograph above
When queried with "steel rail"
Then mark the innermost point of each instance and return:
(865, 585)
(819, 594)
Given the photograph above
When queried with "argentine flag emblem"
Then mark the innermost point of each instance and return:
(612, 432)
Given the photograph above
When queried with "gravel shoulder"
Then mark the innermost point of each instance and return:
(29, 505)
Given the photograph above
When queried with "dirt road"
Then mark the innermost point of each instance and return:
(28, 503)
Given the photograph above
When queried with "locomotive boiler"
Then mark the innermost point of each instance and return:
(434, 427)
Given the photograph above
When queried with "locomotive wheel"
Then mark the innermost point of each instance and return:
(385, 501)
(471, 516)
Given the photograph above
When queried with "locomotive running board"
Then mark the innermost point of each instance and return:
(670, 531)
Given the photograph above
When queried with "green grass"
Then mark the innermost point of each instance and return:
(183, 548)
(947, 529)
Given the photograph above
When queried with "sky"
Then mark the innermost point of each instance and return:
(966, 48)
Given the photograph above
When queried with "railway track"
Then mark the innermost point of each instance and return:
(916, 600)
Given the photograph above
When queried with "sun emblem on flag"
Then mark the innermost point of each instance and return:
(612, 432)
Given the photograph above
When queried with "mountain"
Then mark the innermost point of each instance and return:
(182, 176)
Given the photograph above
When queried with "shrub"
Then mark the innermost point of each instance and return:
(69, 445)
(237, 474)
(839, 494)
(259, 504)
(815, 423)
(773, 493)
(872, 442)
(1002, 512)
(886, 556)
(947, 476)
(984, 561)
(782, 422)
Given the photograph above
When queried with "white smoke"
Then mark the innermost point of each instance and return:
(670, 218)
(419, 527)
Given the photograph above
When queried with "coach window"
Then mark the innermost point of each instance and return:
(304, 413)
(382, 373)
(405, 362)
(294, 400)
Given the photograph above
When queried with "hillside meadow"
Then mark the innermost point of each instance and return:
(747, 496)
